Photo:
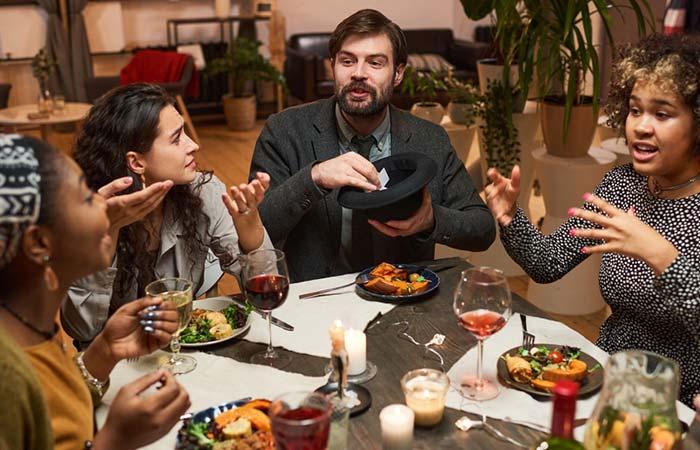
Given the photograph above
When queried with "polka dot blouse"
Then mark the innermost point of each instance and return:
(654, 313)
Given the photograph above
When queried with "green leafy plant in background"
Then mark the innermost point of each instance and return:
(244, 64)
(42, 66)
(553, 42)
(463, 93)
(499, 134)
(424, 84)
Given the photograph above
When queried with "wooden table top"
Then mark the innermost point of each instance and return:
(395, 356)
(17, 115)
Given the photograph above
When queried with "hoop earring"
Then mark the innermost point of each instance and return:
(50, 278)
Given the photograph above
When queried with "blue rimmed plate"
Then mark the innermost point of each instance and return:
(206, 416)
(432, 277)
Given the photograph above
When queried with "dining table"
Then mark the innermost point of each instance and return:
(397, 342)
(394, 356)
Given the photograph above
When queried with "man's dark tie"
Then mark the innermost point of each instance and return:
(361, 255)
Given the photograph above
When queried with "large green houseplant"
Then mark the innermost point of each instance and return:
(553, 43)
(243, 64)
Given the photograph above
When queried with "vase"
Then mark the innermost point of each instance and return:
(45, 100)
(430, 111)
(222, 8)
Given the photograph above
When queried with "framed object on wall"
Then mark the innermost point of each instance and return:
(265, 7)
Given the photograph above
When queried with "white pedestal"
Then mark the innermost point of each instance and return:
(461, 137)
(563, 181)
(618, 146)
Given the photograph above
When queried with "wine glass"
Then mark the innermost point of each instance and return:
(482, 303)
(179, 292)
(301, 421)
(266, 282)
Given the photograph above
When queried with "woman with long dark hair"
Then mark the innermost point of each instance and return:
(134, 133)
(53, 231)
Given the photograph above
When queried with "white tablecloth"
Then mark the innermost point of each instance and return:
(216, 380)
(516, 406)
(313, 317)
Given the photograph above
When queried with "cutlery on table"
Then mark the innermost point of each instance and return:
(360, 279)
(528, 338)
(275, 321)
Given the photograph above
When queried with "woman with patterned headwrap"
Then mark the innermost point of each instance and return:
(54, 230)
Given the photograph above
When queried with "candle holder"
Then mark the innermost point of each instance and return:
(358, 398)
(369, 373)
(425, 391)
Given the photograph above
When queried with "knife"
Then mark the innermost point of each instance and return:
(275, 321)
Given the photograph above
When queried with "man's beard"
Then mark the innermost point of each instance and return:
(377, 102)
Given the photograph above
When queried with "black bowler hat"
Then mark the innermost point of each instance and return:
(408, 173)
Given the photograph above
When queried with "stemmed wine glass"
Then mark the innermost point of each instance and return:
(482, 303)
(179, 292)
(266, 281)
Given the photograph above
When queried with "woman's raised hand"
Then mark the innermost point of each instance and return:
(245, 198)
(126, 209)
(502, 194)
(624, 233)
(135, 419)
(138, 328)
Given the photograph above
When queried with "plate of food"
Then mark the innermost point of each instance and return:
(215, 320)
(536, 370)
(397, 282)
(238, 424)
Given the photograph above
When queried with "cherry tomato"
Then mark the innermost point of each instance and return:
(555, 357)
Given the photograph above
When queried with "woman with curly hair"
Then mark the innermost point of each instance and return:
(135, 135)
(643, 217)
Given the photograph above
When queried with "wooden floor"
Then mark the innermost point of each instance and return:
(228, 154)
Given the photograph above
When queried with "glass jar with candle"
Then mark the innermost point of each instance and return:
(425, 391)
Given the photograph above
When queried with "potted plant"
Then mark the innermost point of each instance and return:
(553, 42)
(463, 98)
(42, 66)
(243, 65)
(498, 134)
(426, 85)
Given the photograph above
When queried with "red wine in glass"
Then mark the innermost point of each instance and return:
(482, 323)
(267, 292)
(300, 421)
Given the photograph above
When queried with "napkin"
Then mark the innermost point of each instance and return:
(313, 317)
(214, 381)
(518, 407)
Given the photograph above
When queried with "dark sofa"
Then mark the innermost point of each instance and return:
(306, 74)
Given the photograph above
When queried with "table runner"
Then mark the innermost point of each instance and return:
(313, 317)
(214, 381)
(518, 407)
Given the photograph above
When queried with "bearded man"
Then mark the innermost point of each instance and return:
(312, 150)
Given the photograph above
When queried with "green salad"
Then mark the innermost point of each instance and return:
(207, 326)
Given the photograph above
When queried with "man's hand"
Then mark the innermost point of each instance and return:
(349, 169)
(422, 220)
(126, 209)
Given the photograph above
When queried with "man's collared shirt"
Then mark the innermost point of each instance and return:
(382, 149)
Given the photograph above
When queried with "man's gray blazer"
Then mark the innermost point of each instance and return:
(306, 223)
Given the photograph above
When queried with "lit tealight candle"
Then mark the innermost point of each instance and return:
(397, 427)
(356, 346)
(425, 391)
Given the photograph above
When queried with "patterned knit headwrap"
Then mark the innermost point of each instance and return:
(20, 197)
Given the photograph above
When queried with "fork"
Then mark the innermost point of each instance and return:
(528, 338)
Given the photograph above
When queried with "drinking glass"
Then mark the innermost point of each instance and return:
(482, 304)
(179, 292)
(59, 104)
(266, 283)
(300, 421)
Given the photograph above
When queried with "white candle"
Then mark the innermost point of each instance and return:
(356, 346)
(397, 427)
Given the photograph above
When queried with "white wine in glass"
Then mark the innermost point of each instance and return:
(179, 292)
